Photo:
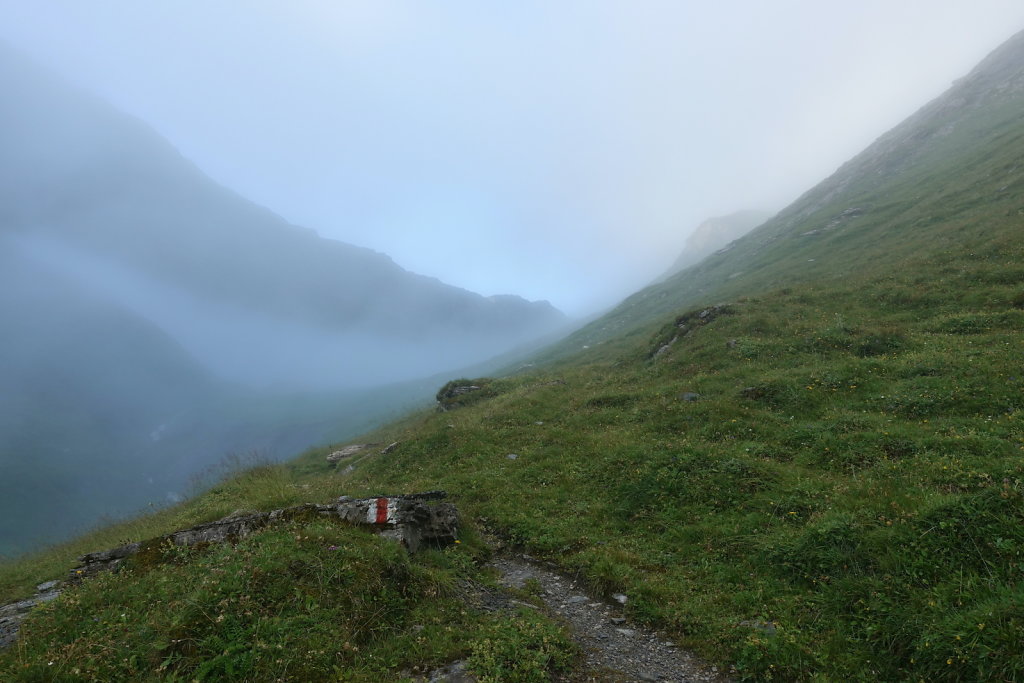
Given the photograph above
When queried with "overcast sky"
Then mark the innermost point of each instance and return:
(556, 149)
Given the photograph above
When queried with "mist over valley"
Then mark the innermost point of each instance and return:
(151, 309)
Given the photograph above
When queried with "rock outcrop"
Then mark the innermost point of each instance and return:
(462, 392)
(11, 615)
(407, 519)
(686, 324)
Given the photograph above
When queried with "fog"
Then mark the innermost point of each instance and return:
(559, 151)
(253, 348)
(118, 391)
(237, 227)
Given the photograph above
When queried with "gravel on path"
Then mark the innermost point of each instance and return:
(615, 650)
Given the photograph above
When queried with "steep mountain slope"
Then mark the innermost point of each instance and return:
(804, 469)
(102, 187)
(924, 189)
(83, 382)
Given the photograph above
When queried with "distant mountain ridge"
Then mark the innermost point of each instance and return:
(78, 172)
(713, 234)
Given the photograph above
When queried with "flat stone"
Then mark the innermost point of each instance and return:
(347, 452)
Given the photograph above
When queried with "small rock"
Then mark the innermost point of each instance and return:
(628, 632)
(689, 396)
(620, 598)
(512, 456)
(576, 599)
(453, 673)
(618, 620)
(759, 625)
(753, 393)
(665, 347)
(48, 586)
(539, 422)
(390, 447)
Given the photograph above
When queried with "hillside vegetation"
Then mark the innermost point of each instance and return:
(803, 458)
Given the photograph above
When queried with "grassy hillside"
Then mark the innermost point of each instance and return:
(946, 182)
(852, 478)
(803, 458)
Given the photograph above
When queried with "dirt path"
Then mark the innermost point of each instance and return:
(615, 649)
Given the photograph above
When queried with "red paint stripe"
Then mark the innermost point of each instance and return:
(382, 511)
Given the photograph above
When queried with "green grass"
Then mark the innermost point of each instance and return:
(852, 471)
(853, 477)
